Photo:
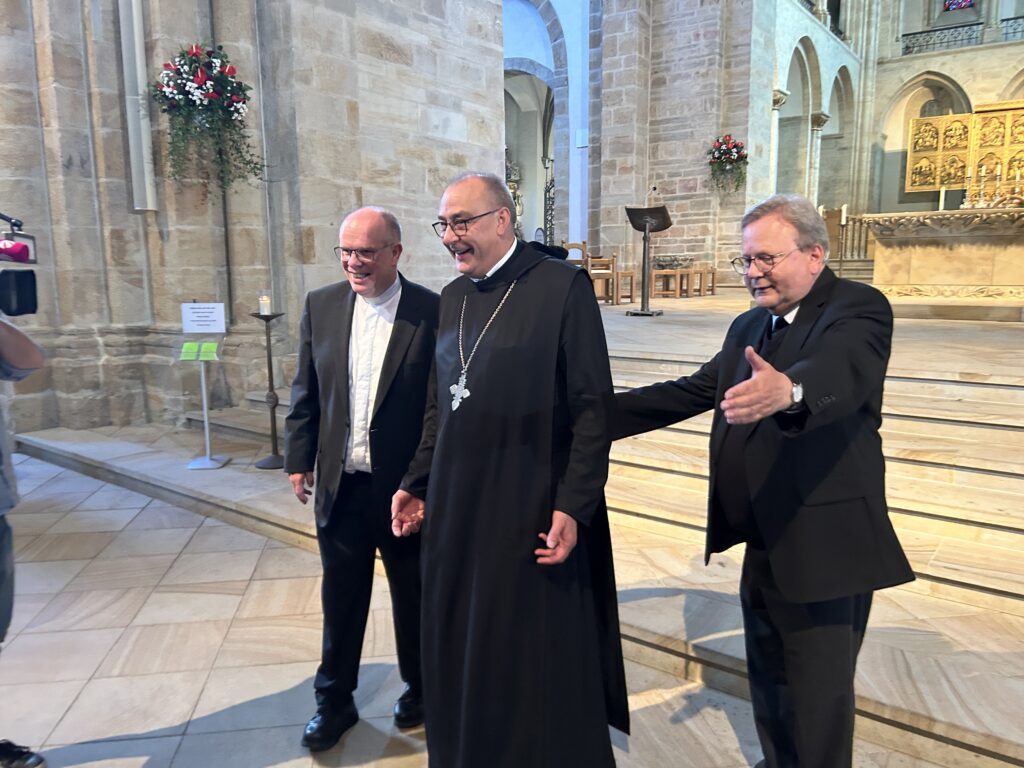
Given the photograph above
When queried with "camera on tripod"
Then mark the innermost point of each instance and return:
(17, 284)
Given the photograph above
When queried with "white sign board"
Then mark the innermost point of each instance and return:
(202, 318)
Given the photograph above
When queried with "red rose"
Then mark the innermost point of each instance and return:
(195, 50)
(228, 70)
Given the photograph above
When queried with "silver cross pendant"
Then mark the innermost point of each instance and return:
(459, 392)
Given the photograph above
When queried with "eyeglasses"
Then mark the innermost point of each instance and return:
(766, 262)
(365, 255)
(458, 226)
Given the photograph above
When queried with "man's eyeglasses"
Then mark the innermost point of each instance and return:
(766, 262)
(459, 226)
(365, 255)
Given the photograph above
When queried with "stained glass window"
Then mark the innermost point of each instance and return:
(955, 5)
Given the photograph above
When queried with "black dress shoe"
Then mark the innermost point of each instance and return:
(327, 726)
(14, 756)
(409, 709)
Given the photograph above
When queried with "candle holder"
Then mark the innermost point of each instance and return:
(275, 460)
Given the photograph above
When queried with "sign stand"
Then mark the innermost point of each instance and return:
(203, 318)
(204, 351)
(647, 220)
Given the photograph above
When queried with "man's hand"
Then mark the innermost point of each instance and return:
(406, 513)
(301, 484)
(767, 391)
(559, 542)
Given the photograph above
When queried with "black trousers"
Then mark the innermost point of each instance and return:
(801, 658)
(355, 530)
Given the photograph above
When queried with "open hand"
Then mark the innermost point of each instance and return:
(767, 391)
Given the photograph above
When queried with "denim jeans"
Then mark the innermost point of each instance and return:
(6, 576)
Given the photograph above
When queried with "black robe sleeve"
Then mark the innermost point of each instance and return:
(583, 364)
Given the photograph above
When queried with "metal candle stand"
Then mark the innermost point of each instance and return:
(274, 460)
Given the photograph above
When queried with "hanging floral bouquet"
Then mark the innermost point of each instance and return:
(206, 106)
(727, 160)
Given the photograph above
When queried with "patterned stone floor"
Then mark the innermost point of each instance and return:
(148, 636)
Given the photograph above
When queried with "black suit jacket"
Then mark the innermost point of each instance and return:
(316, 429)
(816, 478)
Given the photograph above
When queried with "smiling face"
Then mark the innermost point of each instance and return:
(367, 231)
(487, 238)
(785, 285)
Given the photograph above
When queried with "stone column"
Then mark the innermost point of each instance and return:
(779, 97)
(818, 121)
(991, 32)
(625, 129)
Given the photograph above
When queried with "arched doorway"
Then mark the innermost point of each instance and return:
(529, 117)
(795, 128)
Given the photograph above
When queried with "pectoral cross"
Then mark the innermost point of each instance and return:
(459, 392)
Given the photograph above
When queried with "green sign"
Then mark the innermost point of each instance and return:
(190, 350)
(199, 350)
(208, 350)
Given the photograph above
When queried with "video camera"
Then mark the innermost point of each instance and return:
(18, 285)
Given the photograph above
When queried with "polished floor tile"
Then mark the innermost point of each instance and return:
(281, 597)
(89, 520)
(191, 602)
(157, 515)
(131, 707)
(122, 572)
(212, 566)
(272, 640)
(48, 657)
(116, 753)
(240, 698)
(153, 542)
(278, 747)
(225, 538)
(65, 546)
(155, 648)
(30, 711)
(287, 563)
(96, 609)
(45, 578)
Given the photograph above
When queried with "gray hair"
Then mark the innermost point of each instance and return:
(798, 212)
(391, 225)
(495, 186)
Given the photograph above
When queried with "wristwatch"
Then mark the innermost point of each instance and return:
(797, 395)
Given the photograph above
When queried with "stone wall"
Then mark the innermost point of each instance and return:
(355, 103)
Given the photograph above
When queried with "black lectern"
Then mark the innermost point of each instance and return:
(647, 220)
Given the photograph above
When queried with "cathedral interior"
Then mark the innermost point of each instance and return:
(189, 599)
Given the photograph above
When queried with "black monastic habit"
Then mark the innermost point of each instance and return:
(522, 663)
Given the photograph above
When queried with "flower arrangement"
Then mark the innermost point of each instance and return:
(206, 104)
(727, 160)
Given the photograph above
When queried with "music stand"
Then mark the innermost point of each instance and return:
(647, 220)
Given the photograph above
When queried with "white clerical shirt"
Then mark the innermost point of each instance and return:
(372, 322)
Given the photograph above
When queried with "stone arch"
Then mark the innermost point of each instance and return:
(794, 124)
(1014, 89)
(887, 178)
(837, 142)
(557, 79)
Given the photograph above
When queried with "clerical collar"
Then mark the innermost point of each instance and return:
(789, 317)
(500, 264)
(383, 298)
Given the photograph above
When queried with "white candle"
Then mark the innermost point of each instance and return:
(842, 215)
(942, 197)
(264, 302)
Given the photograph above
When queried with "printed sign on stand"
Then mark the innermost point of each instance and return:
(206, 319)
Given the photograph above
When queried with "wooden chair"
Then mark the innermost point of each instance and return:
(665, 283)
(704, 271)
(584, 256)
(624, 286)
(602, 273)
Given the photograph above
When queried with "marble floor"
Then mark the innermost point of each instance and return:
(146, 635)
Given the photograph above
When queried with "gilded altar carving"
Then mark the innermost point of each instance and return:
(983, 151)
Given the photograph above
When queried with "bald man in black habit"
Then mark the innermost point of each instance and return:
(522, 661)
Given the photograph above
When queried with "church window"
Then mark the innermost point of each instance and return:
(956, 5)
